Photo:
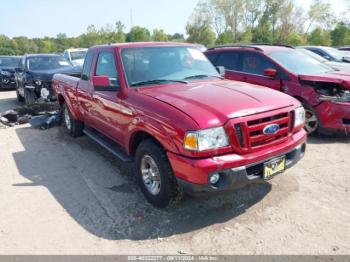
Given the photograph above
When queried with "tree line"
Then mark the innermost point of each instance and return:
(216, 22)
(213, 22)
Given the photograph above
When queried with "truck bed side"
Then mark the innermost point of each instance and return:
(65, 87)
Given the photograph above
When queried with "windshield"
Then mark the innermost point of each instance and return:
(47, 63)
(334, 52)
(76, 55)
(9, 62)
(175, 63)
(300, 63)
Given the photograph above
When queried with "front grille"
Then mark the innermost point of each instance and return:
(255, 129)
(250, 134)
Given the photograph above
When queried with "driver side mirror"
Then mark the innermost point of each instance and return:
(270, 73)
(102, 83)
(221, 70)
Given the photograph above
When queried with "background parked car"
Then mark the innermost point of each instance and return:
(344, 48)
(334, 64)
(324, 92)
(329, 53)
(7, 71)
(34, 76)
(76, 56)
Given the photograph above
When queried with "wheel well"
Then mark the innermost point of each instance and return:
(60, 100)
(137, 138)
(301, 100)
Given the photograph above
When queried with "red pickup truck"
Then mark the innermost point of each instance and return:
(165, 106)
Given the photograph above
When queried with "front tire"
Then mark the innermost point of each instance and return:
(19, 97)
(73, 127)
(155, 175)
(29, 96)
(312, 123)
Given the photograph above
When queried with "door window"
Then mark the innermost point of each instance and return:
(253, 63)
(106, 66)
(229, 60)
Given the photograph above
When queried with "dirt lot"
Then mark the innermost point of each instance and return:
(60, 195)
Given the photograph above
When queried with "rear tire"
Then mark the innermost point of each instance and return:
(155, 175)
(73, 127)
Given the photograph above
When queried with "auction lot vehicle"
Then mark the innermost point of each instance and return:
(75, 55)
(164, 106)
(34, 76)
(335, 65)
(324, 92)
(7, 71)
(329, 53)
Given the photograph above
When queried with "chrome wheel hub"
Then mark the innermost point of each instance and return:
(150, 175)
(311, 121)
(67, 119)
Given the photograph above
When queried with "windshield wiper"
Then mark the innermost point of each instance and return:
(157, 81)
(202, 76)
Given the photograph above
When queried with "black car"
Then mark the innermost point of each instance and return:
(7, 71)
(34, 76)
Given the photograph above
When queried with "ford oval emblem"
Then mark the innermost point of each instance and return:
(271, 129)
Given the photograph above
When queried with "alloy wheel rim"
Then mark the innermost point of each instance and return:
(311, 121)
(150, 175)
(67, 119)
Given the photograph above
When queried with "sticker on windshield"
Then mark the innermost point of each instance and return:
(63, 63)
(196, 54)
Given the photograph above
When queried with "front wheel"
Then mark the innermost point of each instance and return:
(155, 175)
(19, 97)
(312, 123)
(29, 96)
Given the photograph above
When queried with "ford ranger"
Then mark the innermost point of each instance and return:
(165, 107)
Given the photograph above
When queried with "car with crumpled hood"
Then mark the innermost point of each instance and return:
(324, 91)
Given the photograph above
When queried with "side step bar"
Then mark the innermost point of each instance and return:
(108, 144)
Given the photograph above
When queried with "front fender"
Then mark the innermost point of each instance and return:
(161, 132)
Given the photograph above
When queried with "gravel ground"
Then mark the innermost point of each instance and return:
(60, 195)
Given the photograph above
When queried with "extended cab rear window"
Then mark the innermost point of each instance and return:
(87, 65)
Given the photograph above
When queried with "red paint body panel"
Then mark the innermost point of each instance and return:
(166, 112)
(330, 114)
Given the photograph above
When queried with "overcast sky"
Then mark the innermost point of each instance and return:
(39, 18)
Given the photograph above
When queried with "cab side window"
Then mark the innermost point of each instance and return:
(253, 63)
(87, 65)
(106, 66)
(229, 60)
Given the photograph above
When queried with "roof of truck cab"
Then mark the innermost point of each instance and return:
(144, 44)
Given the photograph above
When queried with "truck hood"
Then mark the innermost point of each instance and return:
(340, 77)
(339, 65)
(213, 103)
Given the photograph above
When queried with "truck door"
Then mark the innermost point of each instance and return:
(251, 70)
(108, 109)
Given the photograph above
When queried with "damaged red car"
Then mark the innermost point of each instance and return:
(324, 92)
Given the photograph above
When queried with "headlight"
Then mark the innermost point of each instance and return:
(38, 82)
(5, 73)
(299, 117)
(206, 139)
